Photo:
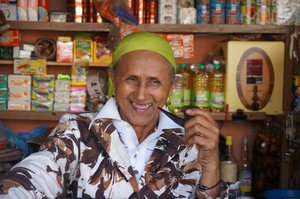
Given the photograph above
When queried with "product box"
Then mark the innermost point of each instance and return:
(21, 105)
(10, 38)
(101, 53)
(167, 12)
(43, 81)
(83, 48)
(22, 10)
(64, 50)
(19, 94)
(30, 66)
(43, 10)
(3, 80)
(187, 15)
(3, 104)
(62, 85)
(3, 93)
(41, 106)
(254, 76)
(32, 10)
(19, 81)
(9, 11)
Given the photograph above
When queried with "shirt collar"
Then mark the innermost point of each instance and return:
(110, 110)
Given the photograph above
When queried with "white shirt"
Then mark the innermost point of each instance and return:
(139, 154)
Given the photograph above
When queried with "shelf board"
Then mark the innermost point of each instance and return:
(159, 28)
(56, 26)
(53, 63)
(55, 116)
(216, 29)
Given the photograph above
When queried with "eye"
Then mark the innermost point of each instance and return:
(154, 82)
(131, 79)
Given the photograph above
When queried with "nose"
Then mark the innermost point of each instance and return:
(141, 92)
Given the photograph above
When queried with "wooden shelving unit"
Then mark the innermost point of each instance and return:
(52, 63)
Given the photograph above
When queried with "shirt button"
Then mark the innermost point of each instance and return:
(136, 172)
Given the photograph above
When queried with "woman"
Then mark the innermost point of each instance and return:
(129, 149)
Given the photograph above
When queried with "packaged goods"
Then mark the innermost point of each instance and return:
(43, 10)
(19, 94)
(62, 97)
(41, 106)
(186, 74)
(10, 38)
(43, 81)
(58, 16)
(61, 106)
(45, 48)
(200, 87)
(167, 12)
(187, 15)
(217, 94)
(32, 10)
(182, 45)
(101, 53)
(248, 12)
(3, 93)
(3, 80)
(21, 105)
(64, 52)
(263, 14)
(186, 4)
(83, 48)
(3, 104)
(177, 94)
(6, 52)
(9, 11)
(22, 10)
(30, 66)
(17, 81)
(203, 11)
(217, 11)
(62, 85)
(42, 95)
(232, 12)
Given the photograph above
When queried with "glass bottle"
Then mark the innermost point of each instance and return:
(229, 166)
(245, 173)
(266, 159)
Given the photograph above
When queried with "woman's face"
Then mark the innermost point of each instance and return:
(143, 81)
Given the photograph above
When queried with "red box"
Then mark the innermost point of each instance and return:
(10, 38)
(43, 10)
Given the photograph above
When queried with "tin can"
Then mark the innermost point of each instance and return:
(203, 11)
(263, 12)
(217, 11)
(248, 12)
(233, 12)
(274, 12)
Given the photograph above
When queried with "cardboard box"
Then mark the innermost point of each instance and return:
(30, 66)
(9, 11)
(10, 38)
(254, 76)
(22, 10)
(21, 105)
(19, 81)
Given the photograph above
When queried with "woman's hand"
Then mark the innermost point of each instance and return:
(203, 131)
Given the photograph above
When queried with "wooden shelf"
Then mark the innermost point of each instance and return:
(52, 63)
(159, 28)
(55, 26)
(55, 116)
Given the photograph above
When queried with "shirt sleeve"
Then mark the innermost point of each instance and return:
(44, 173)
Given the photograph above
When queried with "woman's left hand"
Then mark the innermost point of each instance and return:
(203, 131)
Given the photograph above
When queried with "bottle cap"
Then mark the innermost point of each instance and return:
(228, 140)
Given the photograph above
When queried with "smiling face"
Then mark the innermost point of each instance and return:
(143, 81)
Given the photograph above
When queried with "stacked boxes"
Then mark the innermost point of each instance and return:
(167, 12)
(3, 92)
(78, 88)
(62, 95)
(19, 87)
(42, 95)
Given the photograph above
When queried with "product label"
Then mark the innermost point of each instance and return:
(177, 98)
(217, 100)
(186, 97)
(245, 179)
(202, 99)
(229, 172)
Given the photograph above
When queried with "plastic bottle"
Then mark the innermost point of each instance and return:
(245, 173)
(266, 159)
(229, 168)
(200, 88)
(186, 83)
(177, 92)
(217, 98)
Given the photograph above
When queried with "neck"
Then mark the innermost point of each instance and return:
(142, 132)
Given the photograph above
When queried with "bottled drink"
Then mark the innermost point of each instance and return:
(177, 92)
(186, 83)
(248, 9)
(245, 174)
(266, 159)
(229, 166)
(217, 98)
(200, 88)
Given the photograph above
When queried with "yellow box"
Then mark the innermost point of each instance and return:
(254, 76)
(101, 53)
(30, 66)
(83, 49)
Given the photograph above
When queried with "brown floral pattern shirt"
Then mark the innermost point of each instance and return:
(79, 162)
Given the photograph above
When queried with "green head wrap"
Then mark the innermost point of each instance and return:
(142, 41)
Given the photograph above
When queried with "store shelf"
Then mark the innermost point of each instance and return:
(53, 63)
(54, 116)
(55, 26)
(160, 28)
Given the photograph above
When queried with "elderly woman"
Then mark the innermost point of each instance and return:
(130, 149)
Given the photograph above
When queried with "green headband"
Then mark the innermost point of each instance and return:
(144, 41)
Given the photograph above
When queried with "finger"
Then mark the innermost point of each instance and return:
(202, 131)
(197, 111)
(198, 124)
(202, 143)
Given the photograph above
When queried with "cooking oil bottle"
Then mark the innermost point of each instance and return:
(217, 98)
(186, 73)
(177, 92)
(200, 88)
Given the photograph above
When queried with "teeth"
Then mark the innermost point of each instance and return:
(141, 106)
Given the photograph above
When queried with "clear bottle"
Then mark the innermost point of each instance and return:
(217, 97)
(177, 92)
(229, 167)
(266, 159)
(186, 83)
(200, 88)
(245, 173)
